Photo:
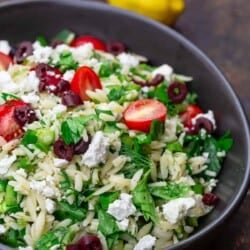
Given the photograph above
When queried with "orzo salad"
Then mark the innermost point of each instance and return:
(99, 149)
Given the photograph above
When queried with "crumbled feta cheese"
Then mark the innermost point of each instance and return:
(176, 209)
(221, 154)
(48, 192)
(50, 206)
(164, 70)
(62, 48)
(145, 89)
(31, 98)
(82, 52)
(68, 75)
(145, 243)
(59, 163)
(123, 224)
(127, 60)
(122, 208)
(43, 188)
(5, 47)
(30, 83)
(2, 229)
(41, 54)
(97, 150)
(21, 172)
(209, 115)
(6, 83)
(5, 163)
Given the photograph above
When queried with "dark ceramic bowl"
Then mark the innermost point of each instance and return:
(22, 20)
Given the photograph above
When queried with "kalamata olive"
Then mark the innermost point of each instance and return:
(62, 150)
(177, 92)
(24, 115)
(90, 242)
(81, 147)
(71, 99)
(116, 48)
(24, 49)
(204, 123)
(154, 82)
(55, 43)
(73, 247)
(62, 86)
(41, 70)
(210, 199)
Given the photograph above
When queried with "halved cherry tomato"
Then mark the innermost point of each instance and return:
(97, 43)
(140, 114)
(85, 79)
(10, 129)
(191, 111)
(5, 61)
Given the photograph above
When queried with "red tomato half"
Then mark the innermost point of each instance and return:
(192, 110)
(85, 79)
(97, 43)
(5, 61)
(140, 114)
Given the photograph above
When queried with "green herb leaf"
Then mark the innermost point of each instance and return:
(72, 128)
(156, 130)
(8, 96)
(107, 198)
(174, 146)
(66, 62)
(42, 40)
(107, 68)
(116, 93)
(13, 238)
(65, 36)
(143, 199)
(170, 191)
(225, 142)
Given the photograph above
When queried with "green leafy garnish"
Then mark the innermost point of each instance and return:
(13, 238)
(66, 62)
(174, 146)
(65, 36)
(225, 142)
(8, 96)
(72, 128)
(143, 200)
(116, 93)
(107, 198)
(170, 191)
(107, 68)
(42, 40)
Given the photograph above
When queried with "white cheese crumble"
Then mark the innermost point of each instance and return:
(50, 206)
(177, 209)
(2, 229)
(164, 70)
(5, 163)
(123, 224)
(82, 52)
(145, 243)
(59, 163)
(122, 208)
(128, 61)
(68, 75)
(31, 98)
(43, 188)
(97, 150)
(5, 47)
(41, 54)
(209, 115)
(6, 83)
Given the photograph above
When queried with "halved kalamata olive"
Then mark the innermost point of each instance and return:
(116, 48)
(204, 123)
(71, 99)
(154, 82)
(210, 199)
(81, 147)
(24, 115)
(62, 150)
(62, 86)
(90, 242)
(24, 49)
(41, 70)
(177, 92)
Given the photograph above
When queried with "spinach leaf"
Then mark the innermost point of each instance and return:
(13, 238)
(107, 68)
(116, 93)
(25, 163)
(156, 130)
(170, 191)
(72, 128)
(107, 198)
(174, 146)
(42, 40)
(225, 142)
(66, 62)
(143, 200)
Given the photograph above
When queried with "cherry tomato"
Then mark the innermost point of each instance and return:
(191, 111)
(140, 114)
(97, 43)
(85, 79)
(5, 61)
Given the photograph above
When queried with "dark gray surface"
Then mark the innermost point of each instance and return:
(160, 45)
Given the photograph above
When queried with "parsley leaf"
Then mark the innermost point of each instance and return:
(107, 198)
(72, 128)
(64, 36)
(8, 96)
(225, 142)
(143, 200)
(66, 62)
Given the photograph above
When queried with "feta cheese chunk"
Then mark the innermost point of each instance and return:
(122, 208)
(128, 61)
(5, 163)
(209, 115)
(5, 47)
(31, 98)
(41, 54)
(68, 75)
(43, 188)
(176, 209)
(2, 229)
(145, 243)
(50, 206)
(123, 224)
(97, 151)
(164, 70)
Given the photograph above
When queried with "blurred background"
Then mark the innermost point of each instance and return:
(221, 29)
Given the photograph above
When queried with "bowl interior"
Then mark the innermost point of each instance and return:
(24, 21)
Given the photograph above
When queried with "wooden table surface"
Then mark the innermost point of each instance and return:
(221, 28)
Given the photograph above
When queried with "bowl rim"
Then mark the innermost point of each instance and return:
(100, 6)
